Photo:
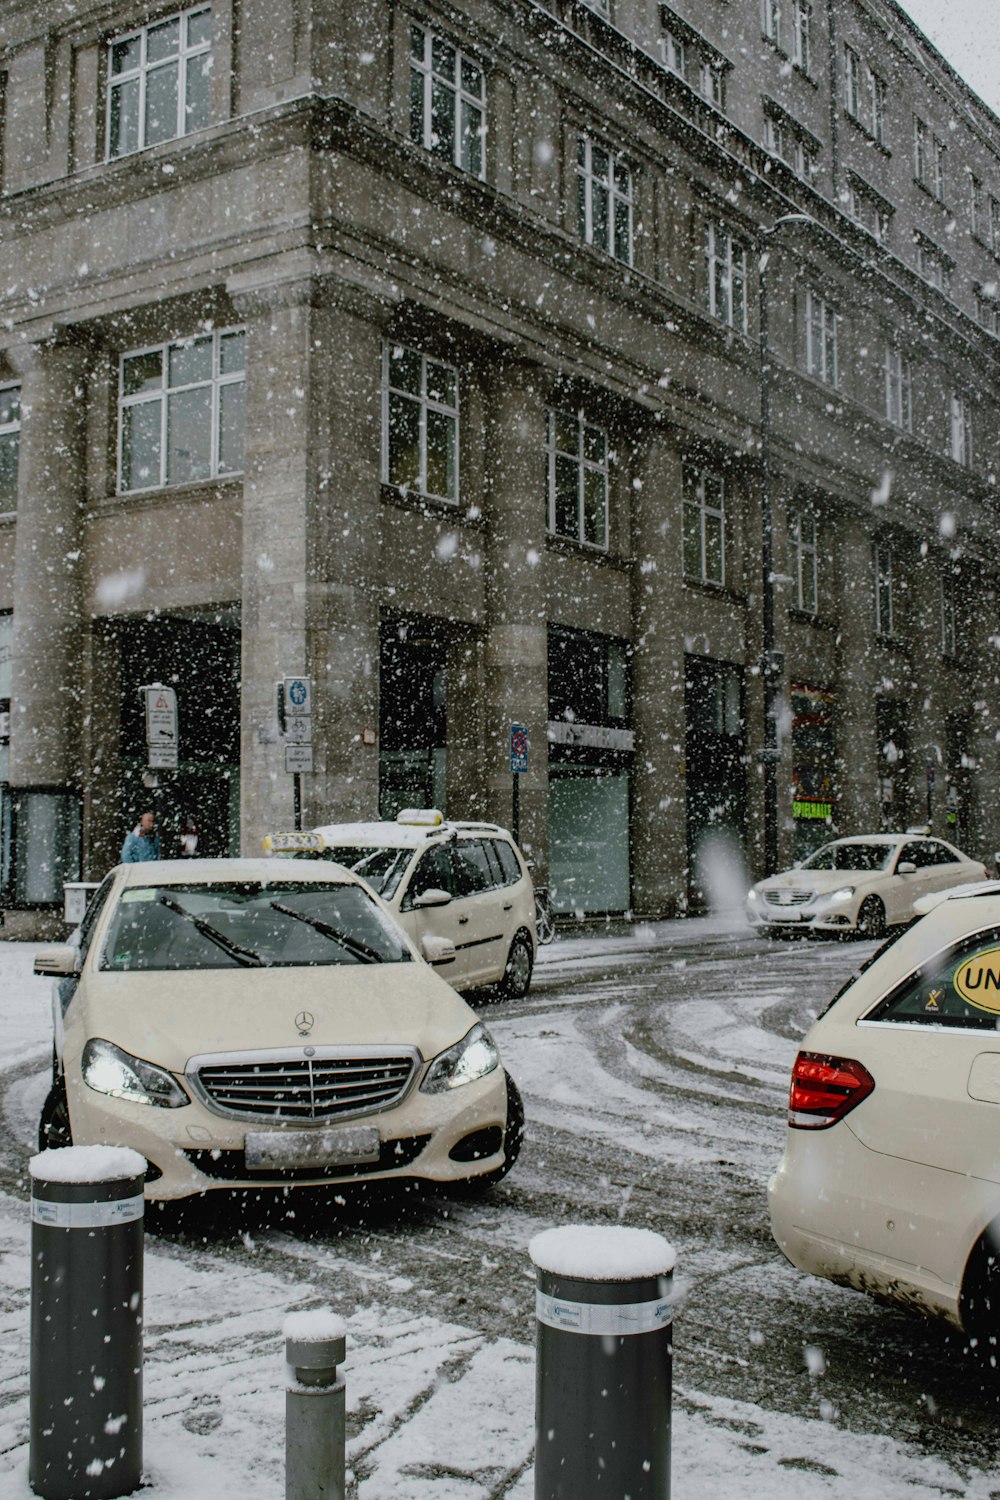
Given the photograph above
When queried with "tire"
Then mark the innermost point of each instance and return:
(871, 918)
(54, 1129)
(517, 973)
(980, 1301)
(513, 1137)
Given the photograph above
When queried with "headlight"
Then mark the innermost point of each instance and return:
(471, 1058)
(109, 1070)
(753, 895)
(844, 894)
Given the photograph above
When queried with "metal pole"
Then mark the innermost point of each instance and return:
(604, 1364)
(85, 1405)
(515, 809)
(297, 801)
(772, 687)
(315, 1344)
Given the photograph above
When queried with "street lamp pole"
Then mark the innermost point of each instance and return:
(771, 661)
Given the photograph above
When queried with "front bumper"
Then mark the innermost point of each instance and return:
(193, 1150)
(818, 915)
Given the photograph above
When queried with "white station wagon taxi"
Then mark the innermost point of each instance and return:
(464, 882)
(890, 1180)
(255, 1023)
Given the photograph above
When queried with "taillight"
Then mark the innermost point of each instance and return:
(825, 1089)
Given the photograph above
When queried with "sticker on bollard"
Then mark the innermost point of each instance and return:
(85, 1403)
(621, 1318)
(604, 1363)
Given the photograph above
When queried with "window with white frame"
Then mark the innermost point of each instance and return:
(995, 226)
(932, 264)
(447, 101)
(821, 339)
(804, 559)
(712, 84)
(577, 466)
(977, 202)
(674, 53)
(898, 406)
(771, 20)
(949, 631)
(419, 424)
(180, 411)
(988, 309)
(704, 527)
(882, 579)
(159, 82)
(787, 140)
(10, 440)
(802, 34)
(961, 430)
(604, 199)
(864, 95)
(726, 261)
(928, 159)
(852, 83)
(869, 210)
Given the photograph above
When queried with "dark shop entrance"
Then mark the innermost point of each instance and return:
(715, 767)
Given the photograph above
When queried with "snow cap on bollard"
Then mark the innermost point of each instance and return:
(87, 1164)
(315, 1344)
(602, 1252)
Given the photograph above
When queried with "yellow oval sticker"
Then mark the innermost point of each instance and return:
(977, 980)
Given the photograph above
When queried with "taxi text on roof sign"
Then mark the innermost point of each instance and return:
(278, 843)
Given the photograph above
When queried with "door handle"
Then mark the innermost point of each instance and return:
(462, 921)
(508, 906)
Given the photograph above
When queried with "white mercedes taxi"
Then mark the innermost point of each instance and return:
(890, 1180)
(464, 882)
(862, 885)
(254, 1023)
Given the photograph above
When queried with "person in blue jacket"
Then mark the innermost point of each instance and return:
(143, 842)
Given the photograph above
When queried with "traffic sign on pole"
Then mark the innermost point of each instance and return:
(518, 749)
(161, 726)
(298, 695)
(298, 758)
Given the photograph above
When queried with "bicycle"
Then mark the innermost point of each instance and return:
(545, 922)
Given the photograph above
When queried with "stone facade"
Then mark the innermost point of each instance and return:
(339, 211)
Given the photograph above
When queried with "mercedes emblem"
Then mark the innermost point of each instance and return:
(305, 1021)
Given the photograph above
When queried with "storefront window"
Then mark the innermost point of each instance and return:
(42, 841)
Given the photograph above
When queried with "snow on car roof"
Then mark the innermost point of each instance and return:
(204, 871)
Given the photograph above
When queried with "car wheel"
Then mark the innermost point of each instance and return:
(517, 974)
(513, 1137)
(54, 1128)
(980, 1304)
(871, 918)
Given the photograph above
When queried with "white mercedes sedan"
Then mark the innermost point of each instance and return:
(862, 885)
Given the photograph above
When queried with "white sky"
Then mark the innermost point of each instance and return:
(967, 33)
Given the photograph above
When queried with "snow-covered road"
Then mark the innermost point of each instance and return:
(654, 1066)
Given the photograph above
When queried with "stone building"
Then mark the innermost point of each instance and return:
(419, 348)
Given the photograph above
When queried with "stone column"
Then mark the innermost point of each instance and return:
(310, 548)
(343, 555)
(276, 487)
(46, 689)
(516, 649)
(858, 805)
(659, 802)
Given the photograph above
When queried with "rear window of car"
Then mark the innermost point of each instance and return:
(249, 924)
(959, 987)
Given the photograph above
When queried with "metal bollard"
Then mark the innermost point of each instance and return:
(315, 1344)
(86, 1322)
(604, 1359)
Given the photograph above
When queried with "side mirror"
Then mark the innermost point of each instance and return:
(58, 962)
(906, 867)
(432, 897)
(438, 950)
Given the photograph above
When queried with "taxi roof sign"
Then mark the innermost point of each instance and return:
(281, 843)
(421, 817)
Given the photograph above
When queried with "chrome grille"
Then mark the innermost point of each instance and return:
(298, 1087)
(788, 898)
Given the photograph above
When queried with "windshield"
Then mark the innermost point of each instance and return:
(249, 924)
(851, 857)
(380, 868)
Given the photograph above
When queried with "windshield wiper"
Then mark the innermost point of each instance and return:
(354, 946)
(245, 956)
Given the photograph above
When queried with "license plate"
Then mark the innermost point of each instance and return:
(312, 1148)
